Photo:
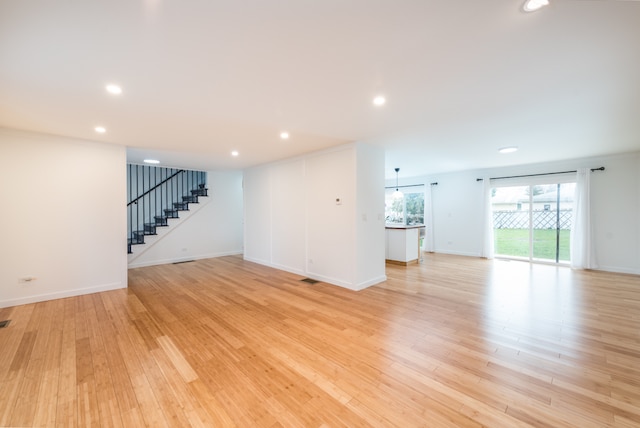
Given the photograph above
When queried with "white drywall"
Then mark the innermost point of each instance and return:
(331, 228)
(63, 217)
(213, 229)
(288, 216)
(370, 220)
(257, 215)
(305, 215)
(616, 214)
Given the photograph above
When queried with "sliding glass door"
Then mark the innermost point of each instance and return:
(533, 222)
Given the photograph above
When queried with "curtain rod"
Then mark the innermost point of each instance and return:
(536, 175)
(408, 185)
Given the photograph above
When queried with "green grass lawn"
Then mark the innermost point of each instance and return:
(515, 243)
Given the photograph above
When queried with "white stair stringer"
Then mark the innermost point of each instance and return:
(163, 231)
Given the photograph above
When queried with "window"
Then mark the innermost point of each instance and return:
(533, 221)
(407, 210)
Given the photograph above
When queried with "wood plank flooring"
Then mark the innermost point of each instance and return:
(452, 342)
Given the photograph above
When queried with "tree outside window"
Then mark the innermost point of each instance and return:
(408, 210)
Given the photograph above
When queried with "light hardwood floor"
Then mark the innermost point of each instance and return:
(454, 341)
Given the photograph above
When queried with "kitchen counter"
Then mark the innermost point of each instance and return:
(402, 244)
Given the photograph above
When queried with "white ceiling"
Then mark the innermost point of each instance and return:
(202, 78)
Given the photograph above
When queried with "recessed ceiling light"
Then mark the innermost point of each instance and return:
(100, 129)
(284, 135)
(113, 89)
(379, 100)
(234, 153)
(533, 5)
(152, 161)
(509, 149)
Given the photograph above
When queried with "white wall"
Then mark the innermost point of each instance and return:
(293, 222)
(288, 220)
(257, 217)
(457, 204)
(63, 217)
(214, 229)
(331, 234)
(457, 222)
(616, 214)
(370, 231)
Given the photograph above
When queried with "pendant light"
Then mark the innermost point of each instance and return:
(533, 5)
(397, 194)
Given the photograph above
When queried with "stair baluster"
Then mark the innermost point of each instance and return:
(157, 194)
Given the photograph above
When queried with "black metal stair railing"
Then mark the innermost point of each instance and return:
(156, 194)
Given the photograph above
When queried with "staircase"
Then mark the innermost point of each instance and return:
(156, 195)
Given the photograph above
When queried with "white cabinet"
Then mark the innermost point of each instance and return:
(403, 244)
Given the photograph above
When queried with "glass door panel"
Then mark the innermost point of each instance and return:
(511, 219)
(544, 215)
(551, 213)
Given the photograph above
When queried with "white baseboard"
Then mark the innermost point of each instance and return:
(183, 259)
(61, 294)
(371, 282)
(288, 269)
(318, 277)
(615, 269)
(457, 253)
(332, 281)
(276, 266)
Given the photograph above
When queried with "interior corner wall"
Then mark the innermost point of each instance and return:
(63, 221)
(300, 216)
(213, 230)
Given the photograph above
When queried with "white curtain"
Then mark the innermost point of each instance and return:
(429, 242)
(487, 217)
(582, 251)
